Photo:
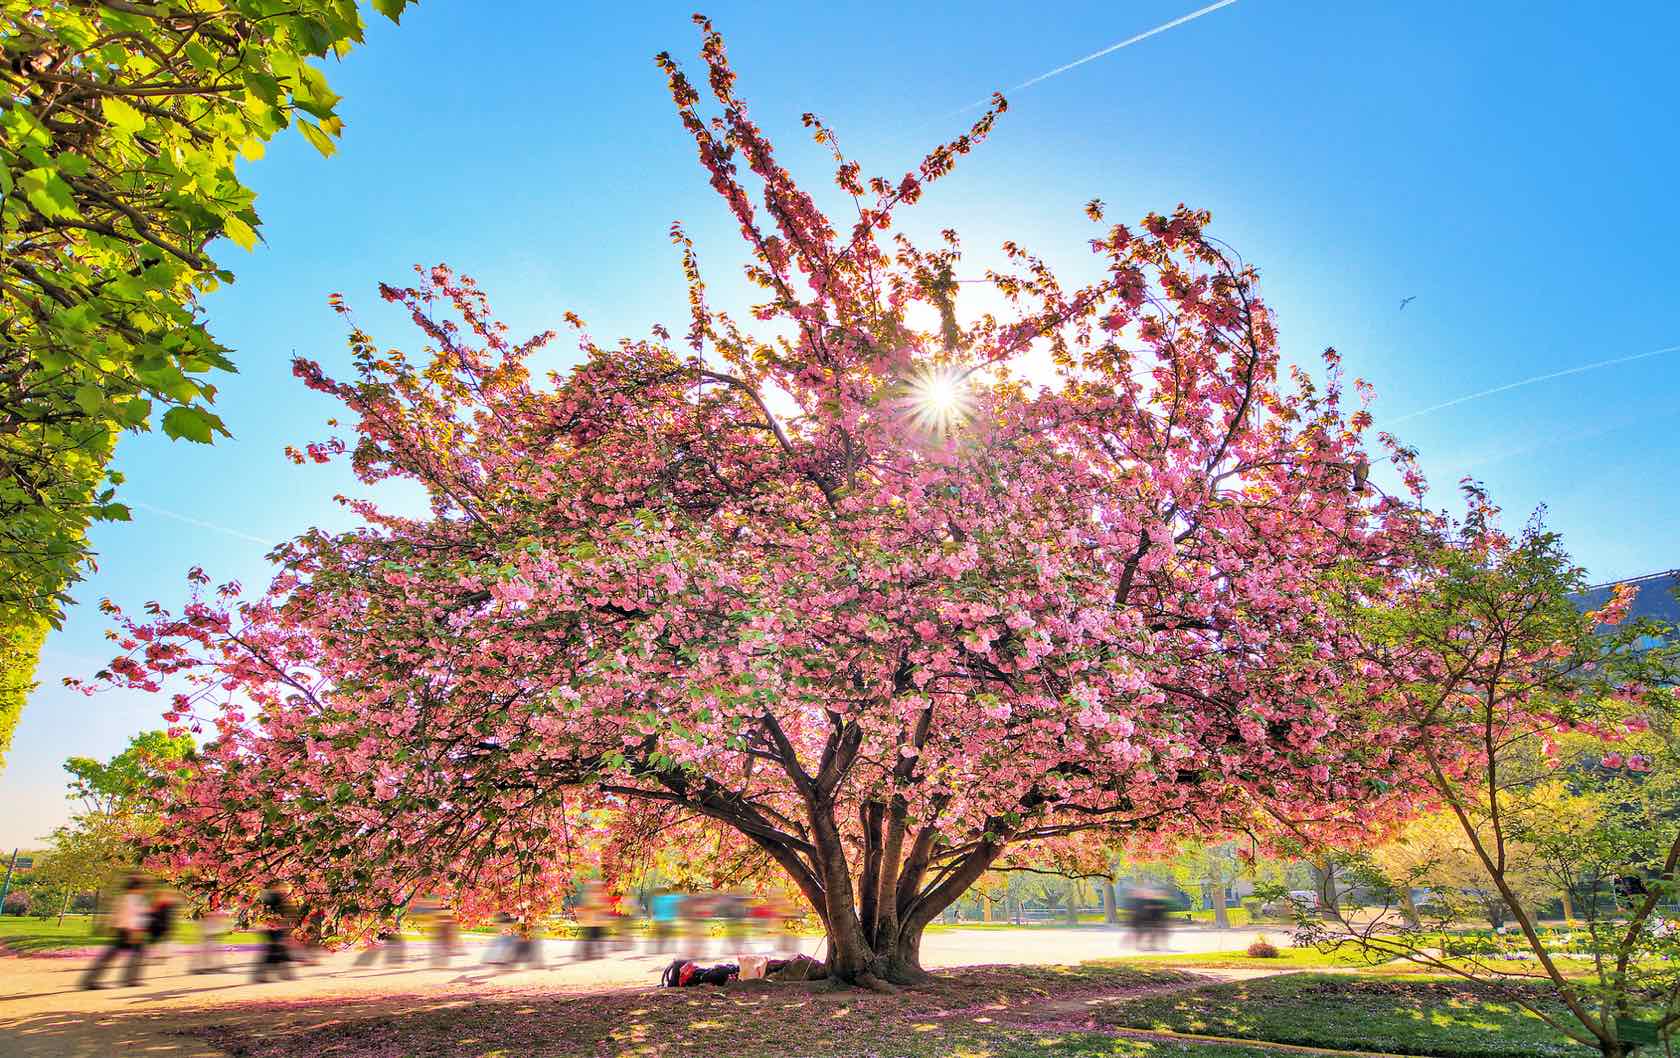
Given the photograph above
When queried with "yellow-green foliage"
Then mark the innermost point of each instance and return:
(20, 646)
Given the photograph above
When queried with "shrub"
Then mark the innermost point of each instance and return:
(17, 903)
(1262, 949)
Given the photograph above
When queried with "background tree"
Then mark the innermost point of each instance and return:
(120, 128)
(861, 592)
(88, 856)
(1506, 682)
(1206, 870)
(1433, 851)
(120, 801)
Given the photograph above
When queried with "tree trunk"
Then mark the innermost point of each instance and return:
(1073, 903)
(1111, 902)
(1568, 909)
(1408, 907)
(986, 901)
(1325, 876)
(1221, 920)
(64, 907)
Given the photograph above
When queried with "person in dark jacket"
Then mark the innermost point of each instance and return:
(276, 955)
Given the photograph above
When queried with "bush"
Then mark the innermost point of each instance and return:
(1262, 949)
(1252, 905)
(17, 903)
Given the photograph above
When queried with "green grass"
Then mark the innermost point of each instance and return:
(1423, 1016)
(1288, 959)
(25, 935)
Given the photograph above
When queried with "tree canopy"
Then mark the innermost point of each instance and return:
(879, 598)
(121, 125)
(1549, 736)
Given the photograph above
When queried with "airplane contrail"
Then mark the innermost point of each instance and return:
(212, 526)
(1128, 42)
(1536, 379)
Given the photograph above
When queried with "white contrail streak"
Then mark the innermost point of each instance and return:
(1128, 42)
(1536, 379)
(213, 527)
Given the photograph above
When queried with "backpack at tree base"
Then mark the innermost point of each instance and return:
(682, 973)
(677, 973)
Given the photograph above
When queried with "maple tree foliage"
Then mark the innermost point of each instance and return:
(1550, 734)
(868, 595)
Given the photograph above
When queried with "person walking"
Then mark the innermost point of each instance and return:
(129, 921)
(212, 927)
(160, 923)
(591, 914)
(663, 910)
(276, 955)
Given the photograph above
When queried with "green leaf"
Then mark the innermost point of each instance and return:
(193, 424)
(122, 115)
(391, 9)
(89, 398)
(240, 232)
(264, 86)
(312, 93)
(312, 132)
(49, 194)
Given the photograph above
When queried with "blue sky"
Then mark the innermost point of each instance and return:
(1511, 165)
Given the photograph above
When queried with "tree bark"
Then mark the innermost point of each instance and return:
(1221, 920)
(1325, 876)
(1408, 907)
(1111, 902)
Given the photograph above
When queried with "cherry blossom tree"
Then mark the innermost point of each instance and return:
(879, 598)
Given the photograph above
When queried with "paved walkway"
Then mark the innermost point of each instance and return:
(43, 1014)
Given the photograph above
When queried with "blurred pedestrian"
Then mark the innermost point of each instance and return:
(664, 910)
(160, 922)
(1148, 907)
(276, 956)
(591, 912)
(212, 927)
(501, 949)
(446, 936)
(129, 934)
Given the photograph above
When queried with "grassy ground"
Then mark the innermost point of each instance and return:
(1423, 1016)
(986, 1012)
(25, 935)
(1287, 959)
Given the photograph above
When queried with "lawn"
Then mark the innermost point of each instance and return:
(1423, 1016)
(1287, 959)
(26, 935)
(983, 1012)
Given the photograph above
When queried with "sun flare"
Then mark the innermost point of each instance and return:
(939, 400)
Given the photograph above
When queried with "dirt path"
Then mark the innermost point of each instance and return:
(43, 1013)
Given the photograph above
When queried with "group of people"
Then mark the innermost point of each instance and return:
(144, 917)
(605, 919)
(140, 920)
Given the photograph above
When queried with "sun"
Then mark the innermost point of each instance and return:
(938, 399)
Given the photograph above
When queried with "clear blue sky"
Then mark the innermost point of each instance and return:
(1511, 165)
